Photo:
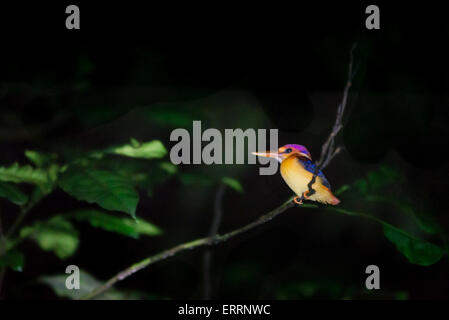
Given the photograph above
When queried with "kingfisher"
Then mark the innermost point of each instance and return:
(297, 170)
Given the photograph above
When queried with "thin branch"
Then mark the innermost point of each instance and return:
(328, 152)
(34, 200)
(187, 246)
(207, 256)
(23, 212)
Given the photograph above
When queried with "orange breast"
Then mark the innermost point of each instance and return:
(298, 178)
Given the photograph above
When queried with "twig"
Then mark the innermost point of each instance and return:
(34, 200)
(328, 152)
(207, 256)
(23, 212)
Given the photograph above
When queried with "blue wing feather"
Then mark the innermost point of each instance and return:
(310, 166)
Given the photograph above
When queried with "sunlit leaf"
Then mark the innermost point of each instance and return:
(415, 250)
(143, 227)
(40, 159)
(168, 167)
(23, 174)
(126, 226)
(13, 194)
(12, 259)
(56, 235)
(144, 150)
(109, 190)
(232, 183)
(44, 178)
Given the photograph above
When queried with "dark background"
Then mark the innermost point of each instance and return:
(231, 66)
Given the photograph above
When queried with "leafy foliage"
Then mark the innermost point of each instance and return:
(129, 227)
(57, 235)
(40, 159)
(415, 250)
(24, 174)
(105, 188)
(13, 194)
(373, 189)
(233, 184)
(148, 150)
(43, 178)
(111, 178)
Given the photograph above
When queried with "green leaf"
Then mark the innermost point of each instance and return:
(424, 220)
(147, 150)
(56, 235)
(44, 178)
(143, 227)
(125, 226)
(13, 194)
(168, 167)
(233, 184)
(415, 250)
(24, 174)
(87, 284)
(342, 189)
(40, 159)
(13, 259)
(109, 190)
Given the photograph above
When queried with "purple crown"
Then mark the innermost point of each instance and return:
(299, 147)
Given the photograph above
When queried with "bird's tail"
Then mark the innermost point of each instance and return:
(334, 200)
(325, 195)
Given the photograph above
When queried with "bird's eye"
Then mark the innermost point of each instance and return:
(288, 150)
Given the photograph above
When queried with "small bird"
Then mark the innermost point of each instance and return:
(297, 171)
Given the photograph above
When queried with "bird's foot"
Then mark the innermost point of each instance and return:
(297, 200)
(306, 195)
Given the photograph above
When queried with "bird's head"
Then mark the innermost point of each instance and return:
(286, 151)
